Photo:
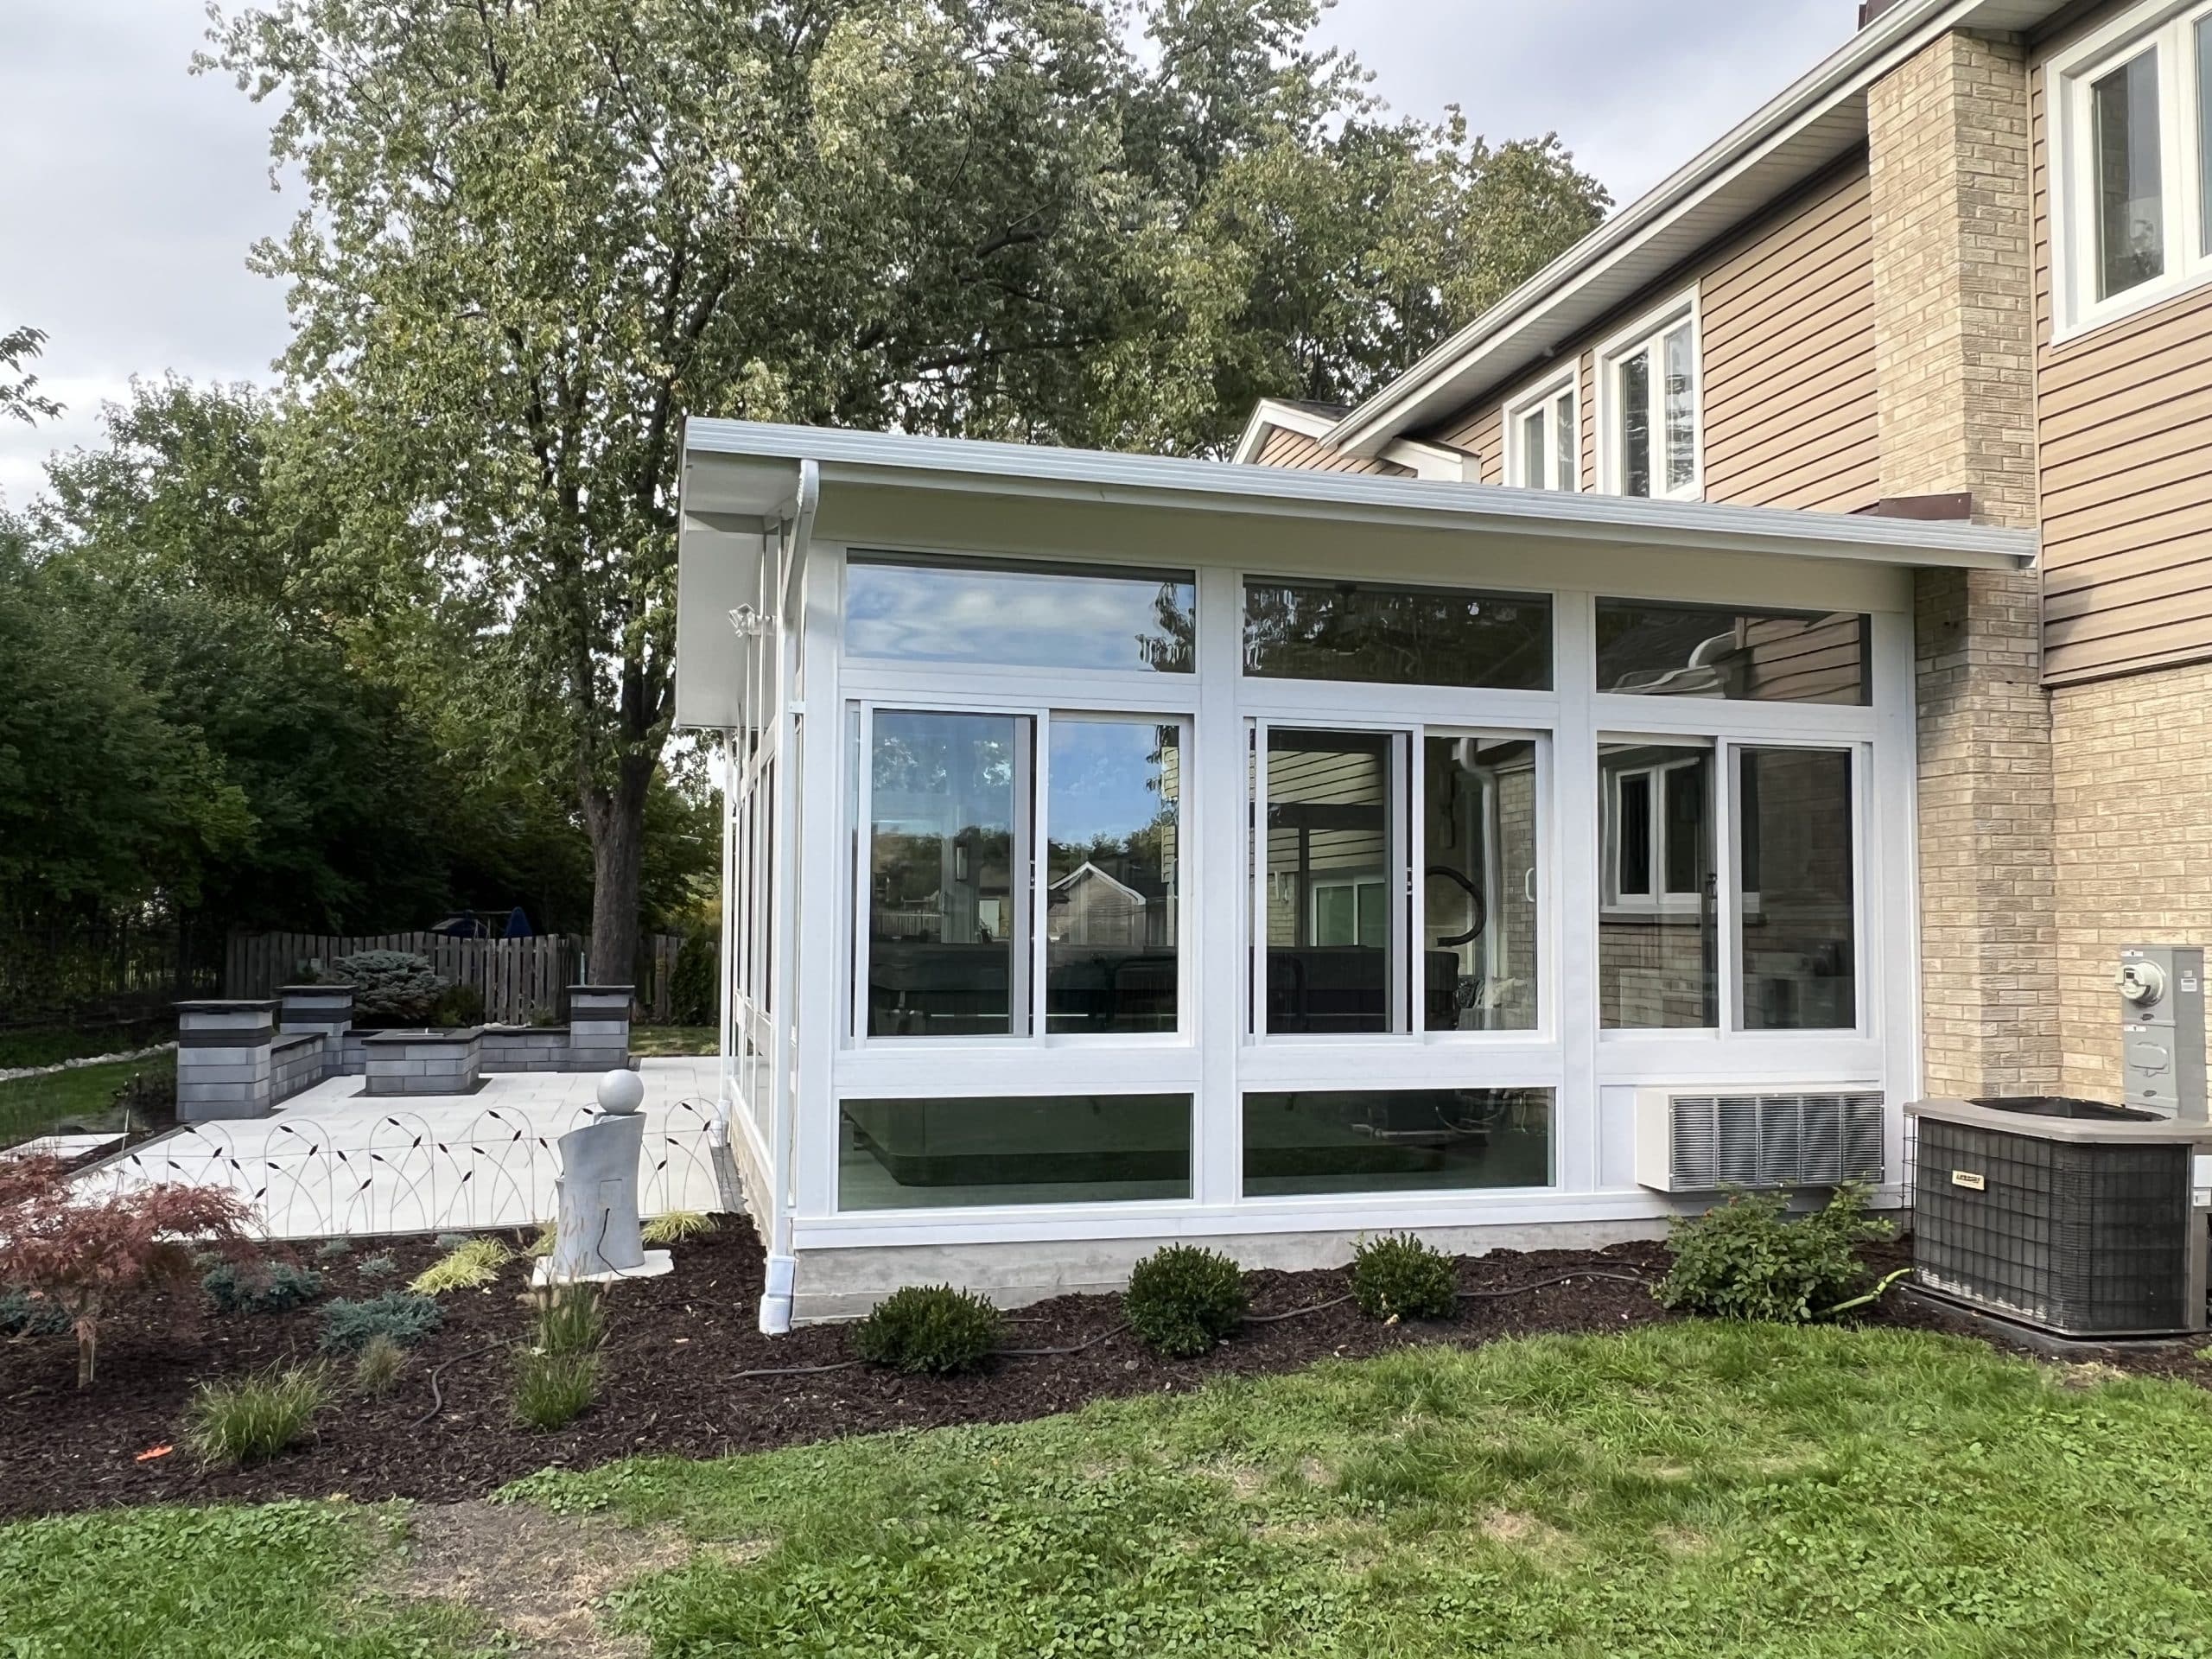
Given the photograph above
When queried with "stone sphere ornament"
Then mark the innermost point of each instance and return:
(621, 1093)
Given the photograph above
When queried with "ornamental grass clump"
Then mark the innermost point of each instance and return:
(469, 1265)
(260, 1286)
(557, 1377)
(676, 1227)
(1400, 1277)
(234, 1424)
(378, 1367)
(929, 1329)
(1182, 1300)
(401, 1315)
(1747, 1260)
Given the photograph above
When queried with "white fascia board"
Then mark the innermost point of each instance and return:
(1454, 371)
(1268, 414)
(965, 466)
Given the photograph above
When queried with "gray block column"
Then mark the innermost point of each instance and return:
(599, 1027)
(324, 1010)
(222, 1059)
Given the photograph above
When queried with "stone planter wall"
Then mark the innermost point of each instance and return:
(424, 1062)
(223, 1067)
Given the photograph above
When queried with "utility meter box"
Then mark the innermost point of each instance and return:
(2161, 989)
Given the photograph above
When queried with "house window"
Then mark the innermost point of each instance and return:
(915, 1154)
(1357, 631)
(951, 935)
(2132, 165)
(928, 609)
(1658, 930)
(1648, 432)
(1544, 439)
(1396, 1140)
(1647, 648)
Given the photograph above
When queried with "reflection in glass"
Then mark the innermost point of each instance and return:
(948, 923)
(1110, 908)
(1795, 864)
(1396, 1141)
(1635, 422)
(1396, 636)
(1681, 409)
(1331, 951)
(1479, 885)
(2204, 33)
(948, 610)
(1658, 929)
(1651, 649)
(2131, 208)
(906, 1154)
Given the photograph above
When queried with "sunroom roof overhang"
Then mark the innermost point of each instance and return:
(742, 476)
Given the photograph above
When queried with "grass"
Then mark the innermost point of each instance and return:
(1693, 1491)
(252, 1419)
(51, 1045)
(470, 1265)
(83, 1097)
(662, 1040)
(279, 1580)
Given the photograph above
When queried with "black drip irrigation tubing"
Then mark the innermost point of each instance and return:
(1249, 1319)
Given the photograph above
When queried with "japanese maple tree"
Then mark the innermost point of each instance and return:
(88, 1252)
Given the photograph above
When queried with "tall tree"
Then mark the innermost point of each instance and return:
(540, 232)
(19, 395)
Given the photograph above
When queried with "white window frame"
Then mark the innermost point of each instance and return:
(1546, 396)
(2168, 25)
(1650, 331)
(1658, 899)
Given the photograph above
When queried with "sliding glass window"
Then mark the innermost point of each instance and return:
(1658, 919)
(1796, 886)
(1481, 798)
(1335, 879)
(1111, 903)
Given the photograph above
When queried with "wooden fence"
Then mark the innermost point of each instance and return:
(522, 980)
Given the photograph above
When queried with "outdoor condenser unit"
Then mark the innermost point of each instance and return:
(1702, 1140)
(2080, 1217)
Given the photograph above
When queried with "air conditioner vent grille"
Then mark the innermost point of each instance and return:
(1773, 1140)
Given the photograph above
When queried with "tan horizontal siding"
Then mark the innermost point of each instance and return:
(1298, 453)
(1786, 348)
(2124, 462)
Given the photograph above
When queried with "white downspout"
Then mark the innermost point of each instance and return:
(783, 1265)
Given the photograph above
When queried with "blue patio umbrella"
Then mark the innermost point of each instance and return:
(518, 925)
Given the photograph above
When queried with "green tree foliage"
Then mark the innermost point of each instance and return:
(19, 399)
(540, 233)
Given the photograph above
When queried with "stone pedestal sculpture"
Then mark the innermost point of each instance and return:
(595, 1200)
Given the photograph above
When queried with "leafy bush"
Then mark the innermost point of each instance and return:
(676, 1226)
(390, 987)
(378, 1366)
(929, 1328)
(405, 1318)
(458, 1006)
(552, 1389)
(23, 1314)
(1747, 1260)
(691, 988)
(382, 1265)
(238, 1423)
(1183, 1300)
(261, 1286)
(470, 1265)
(1399, 1277)
(83, 1254)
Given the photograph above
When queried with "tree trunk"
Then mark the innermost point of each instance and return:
(615, 816)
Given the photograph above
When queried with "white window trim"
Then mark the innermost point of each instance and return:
(1544, 393)
(2067, 78)
(1658, 900)
(1647, 330)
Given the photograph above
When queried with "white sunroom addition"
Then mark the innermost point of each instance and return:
(1122, 850)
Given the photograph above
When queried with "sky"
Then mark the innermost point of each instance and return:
(130, 189)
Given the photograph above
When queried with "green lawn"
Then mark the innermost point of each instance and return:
(672, 1039)
(83, 1097)
(1694, 1490)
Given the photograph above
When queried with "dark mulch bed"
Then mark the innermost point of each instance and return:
(675, 1345)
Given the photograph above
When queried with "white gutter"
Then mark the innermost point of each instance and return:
(783, 1260)
(1865, 58)
(1105, 478)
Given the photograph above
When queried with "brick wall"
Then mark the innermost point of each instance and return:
(1948, 168)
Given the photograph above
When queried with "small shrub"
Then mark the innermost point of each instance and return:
(452, 1240)
(570, 1320)
(1399, 1277)
(405, 1318)
(236, 1423)
(382, 1265)
(378, 1366)
(470, 1265)
(334, 1249)
(390, 987)
(929, 1328)
(23, 1314)
(676, 1226)
(1747, 1260)
(552, 1389)
(458, 1006)
(261, 1286)
(1183, 1300)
